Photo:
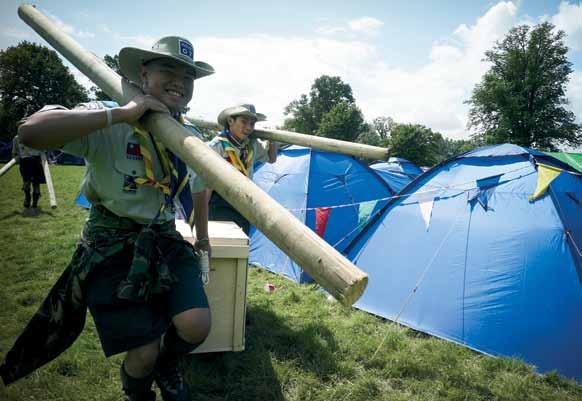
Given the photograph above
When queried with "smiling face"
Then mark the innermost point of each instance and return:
(169, 81)
(241, 126)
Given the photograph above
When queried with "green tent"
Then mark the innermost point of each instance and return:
(573, 159)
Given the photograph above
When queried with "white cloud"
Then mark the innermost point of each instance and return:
(365, 25)
(272, 71)
(569, 19)
(362, 25)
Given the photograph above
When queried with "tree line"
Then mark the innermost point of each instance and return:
(520, 100)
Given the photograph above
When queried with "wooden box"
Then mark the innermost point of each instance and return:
(227, 288)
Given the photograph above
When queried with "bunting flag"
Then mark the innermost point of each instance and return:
(426, 211)
(484, 191)
(364, 212)
(321, 218)
(546, 174)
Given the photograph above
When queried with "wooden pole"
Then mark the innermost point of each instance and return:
(316, 142)
(323, 263)
(7, 167)
(49, 180)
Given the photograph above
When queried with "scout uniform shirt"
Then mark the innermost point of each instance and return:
(114, 162)
(260, 152)
(18, 149)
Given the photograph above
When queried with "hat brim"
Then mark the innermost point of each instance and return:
(131, 59)
(224, 114)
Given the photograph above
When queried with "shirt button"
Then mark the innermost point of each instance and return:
(133, 172)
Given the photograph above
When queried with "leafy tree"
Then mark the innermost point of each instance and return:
(328, 95)
(113, 63)
(378, 133)
(521, 98)
(452, 147)
(383, 127)
(416, 143)
(32, 76)
(370, 137)
(344, 121)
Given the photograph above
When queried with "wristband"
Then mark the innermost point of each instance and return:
(109, 117)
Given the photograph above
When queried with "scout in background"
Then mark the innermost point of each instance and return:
(30, 166)
(241, 149)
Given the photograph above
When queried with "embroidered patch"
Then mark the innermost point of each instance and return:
(186, 49)
(129, 184)
(133, 151)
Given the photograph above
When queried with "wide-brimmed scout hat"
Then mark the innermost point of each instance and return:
(173, 47)
(240, 110)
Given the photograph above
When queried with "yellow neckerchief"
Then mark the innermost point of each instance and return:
(233, 157)
(150, 179)
(168, 168)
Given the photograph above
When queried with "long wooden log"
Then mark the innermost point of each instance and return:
(316, 142)
(327, 266)
(7, 167)
(49, 181)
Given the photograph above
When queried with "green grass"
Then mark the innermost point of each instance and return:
(299, 346)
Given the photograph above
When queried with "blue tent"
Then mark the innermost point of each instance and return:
(468, 256)
(333, 194)
(399, 165)
(5, 151)
(397, 172)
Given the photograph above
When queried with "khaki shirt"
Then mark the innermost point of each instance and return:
(21, 151)
(113, 159)
(260, 153)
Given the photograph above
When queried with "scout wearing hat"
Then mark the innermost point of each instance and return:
(133, 271)
(241, 149)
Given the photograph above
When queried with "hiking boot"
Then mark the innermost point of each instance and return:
(170, 381)
(149, 396)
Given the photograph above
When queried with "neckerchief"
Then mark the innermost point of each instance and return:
(175, 181)
(229, 143)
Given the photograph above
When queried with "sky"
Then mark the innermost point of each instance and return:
(414, 61)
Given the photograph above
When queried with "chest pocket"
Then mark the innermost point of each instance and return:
(127, 171)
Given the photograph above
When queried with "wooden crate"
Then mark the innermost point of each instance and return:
(227, 289)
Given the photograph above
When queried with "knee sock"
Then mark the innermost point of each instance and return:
(35, 197)
(26, 197)
(174, 346)
(137, 388)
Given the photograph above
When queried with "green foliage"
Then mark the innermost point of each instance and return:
(521, 98)
(417, 143)
(328, 95)
(299, 346)
(32, 76)
(454, 147)
(344, 121)
(113, 63)
(378, 133)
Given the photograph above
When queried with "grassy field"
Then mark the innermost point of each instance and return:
(299, 346)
